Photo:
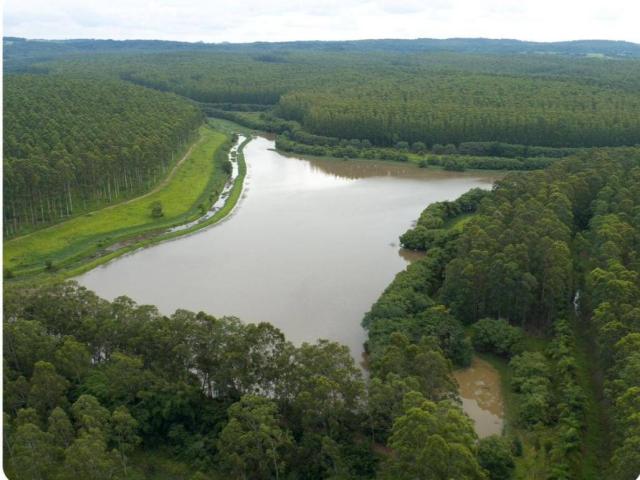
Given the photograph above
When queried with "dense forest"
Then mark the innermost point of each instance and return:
(384, 98)
(454, 108)
(72, 144)
(90, 385)
(541, 274)
(554, 251)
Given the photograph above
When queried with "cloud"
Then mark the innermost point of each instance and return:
(274, 20)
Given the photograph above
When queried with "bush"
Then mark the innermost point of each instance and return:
(531, 378)
(494, 455)
(156, 210)
(496, 336)
(227, 167)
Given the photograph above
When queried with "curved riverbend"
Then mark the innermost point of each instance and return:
(309, 249)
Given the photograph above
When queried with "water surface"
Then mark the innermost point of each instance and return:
(480, 390)
(310, 247)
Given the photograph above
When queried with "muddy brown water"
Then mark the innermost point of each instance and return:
(309, 248)
(481, 393)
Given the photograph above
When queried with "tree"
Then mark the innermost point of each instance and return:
(89, 415)
(422, 362)
(123, 433)
(252, 444)
(326, 388)
(432, 441)
(87, 457)
(33, 453)
(496, 336)
(60, 428)
(26, 342)
(494, 455)
(47, 388)
(73, 359)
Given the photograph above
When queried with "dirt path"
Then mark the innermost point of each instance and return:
(163, 183)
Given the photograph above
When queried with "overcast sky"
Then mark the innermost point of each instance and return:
(273, 20)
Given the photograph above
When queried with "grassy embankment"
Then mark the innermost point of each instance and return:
(84, 242)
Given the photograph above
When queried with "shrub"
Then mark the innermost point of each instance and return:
(494, 455)
(156, 210)
(496, 336)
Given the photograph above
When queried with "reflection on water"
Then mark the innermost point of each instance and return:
(358, 169)
(481, 394)
(308, 249)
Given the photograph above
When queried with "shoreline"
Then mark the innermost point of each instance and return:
(152, 236)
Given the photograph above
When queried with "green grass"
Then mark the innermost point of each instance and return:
(228, 126)
(458, 222)
(197, 180)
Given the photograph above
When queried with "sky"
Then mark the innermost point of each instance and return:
(282, 20)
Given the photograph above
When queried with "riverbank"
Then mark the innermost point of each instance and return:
(80, 244)
(424, 159)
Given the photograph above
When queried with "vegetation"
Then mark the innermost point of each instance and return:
(71, 145)
(496, 336)
(194, 180)
(108, 390)
(531, 243)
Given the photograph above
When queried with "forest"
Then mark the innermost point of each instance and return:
(540, 275)
(430, 97)
(71, 145)
(92, 387)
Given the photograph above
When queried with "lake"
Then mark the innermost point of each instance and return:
(309, 248)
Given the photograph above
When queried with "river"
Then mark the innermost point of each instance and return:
(309, 248)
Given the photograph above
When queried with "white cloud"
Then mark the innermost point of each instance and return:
(255, 20)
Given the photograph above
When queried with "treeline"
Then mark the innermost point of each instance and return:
(461, 163)
(609, 250)
(91, 385)
(296, 140)
(456, 108)
(96, 384)
(482, 101)
(534, 242)
(72, 144)
(431, 229)
(344, 149)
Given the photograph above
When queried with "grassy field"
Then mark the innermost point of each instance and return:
(195, 181)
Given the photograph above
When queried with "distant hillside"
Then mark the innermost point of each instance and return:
(20, 53)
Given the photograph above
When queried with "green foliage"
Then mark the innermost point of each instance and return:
(431, 229)
(237, 399)
(33, 453)
(252, 444)
(63, 157)
(60, 428)
(494, 455)
(168, 381)
(87, 235)
(156, 209)
(531, 378)
(47, 388)
(496, 336)
(88, 457)
(432, 441)
(123, 434)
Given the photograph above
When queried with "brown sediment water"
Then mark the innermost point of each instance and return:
(310, 246)
(481, 393)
